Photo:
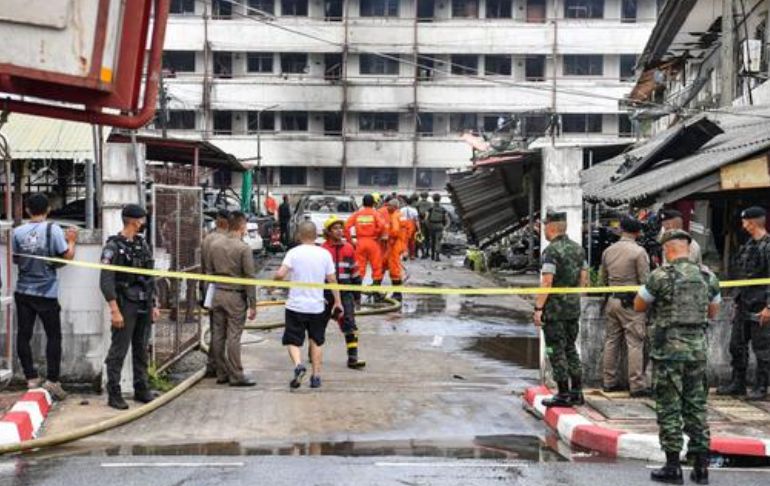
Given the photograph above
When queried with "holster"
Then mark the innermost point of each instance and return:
(626, 299)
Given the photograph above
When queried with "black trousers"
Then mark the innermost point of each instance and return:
(135, 332)
(284, 226)
(28, 309)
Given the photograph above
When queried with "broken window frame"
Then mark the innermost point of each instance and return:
(181, 120)
(464, 64)
(294, 8)
(182, 7)
(255, 7)
(535, 61)
(584, 9)
(294, 63)
(374, 65)
(260, 62)
(266, 120)
(581, 123)
(222, 122)
(292, 175)
(378, 8)
(378, 122)
(378, 176)
(294, 121)
(583, 65)
(502, 64)
(179, 61)
(627, 63)
(465, 9)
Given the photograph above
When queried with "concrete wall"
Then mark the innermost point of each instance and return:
(561, 187)
(591, 344)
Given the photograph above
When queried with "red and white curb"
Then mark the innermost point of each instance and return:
(26, 417)
(575, 429)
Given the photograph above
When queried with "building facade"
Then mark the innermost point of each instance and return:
(365, 95)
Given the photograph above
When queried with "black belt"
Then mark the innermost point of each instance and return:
(240, 291)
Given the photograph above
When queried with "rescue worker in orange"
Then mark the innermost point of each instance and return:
(370, 228)
(395, 244)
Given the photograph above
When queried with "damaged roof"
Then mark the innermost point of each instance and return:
(746, 132)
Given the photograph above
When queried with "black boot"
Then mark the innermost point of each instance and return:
(737, 385)
(561, 399)
(576, 391)
(143, 395)
(378, 297)
(700, 470)
(759, 392)
(671, 472)
(115, 399)
(351, 340)
(397, 295)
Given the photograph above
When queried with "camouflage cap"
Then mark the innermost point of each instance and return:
(555, 216)
(676, 234)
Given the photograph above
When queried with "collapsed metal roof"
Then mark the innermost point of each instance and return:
(36, 137)
(182, 151)
(746, 132)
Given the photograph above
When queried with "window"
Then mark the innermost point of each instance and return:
(425, 124)
(179, 61)
(259, 62)
(378, 122)
(625, 126)
(497, 65)
(378, 176)
(182, 7)
(584, 9)
(424, 178)
(465, 64)
(535, 126)
(294, 8)
(333, 179)
(333, 124)
(223, 122)
(261, 121)
(583, 65)
(181, 120)
(294, 121)
(293, 176)
(461, 122)
(221, 9)
(582, 123)
(425, 10)
(536, 11)
(498, 123)
(257, 7)
(465, 9)
(627, 67)
(628, 11)
(332, 67)
(425, 67)
(379, 8)
(223, 64)
(499, 9)
(534, 68)
(293, 63)
(333, 10)
(374, 64)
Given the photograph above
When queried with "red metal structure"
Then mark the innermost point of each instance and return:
(89, 54)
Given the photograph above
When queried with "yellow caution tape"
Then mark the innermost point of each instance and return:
(369, 288)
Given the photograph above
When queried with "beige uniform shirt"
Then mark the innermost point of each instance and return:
(209, 240)
(232, 257)
(624, 263)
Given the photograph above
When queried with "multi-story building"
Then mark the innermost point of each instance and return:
(365, 95)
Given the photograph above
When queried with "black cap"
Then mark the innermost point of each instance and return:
(133, 211)
(667, 214)
(555, 216)
(630, 225)
(676, 234)
(368, 200)
(223, 213)
(753, 212)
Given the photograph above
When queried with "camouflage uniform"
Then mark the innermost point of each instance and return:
(679, 295)
(565, 259)
(753, 262)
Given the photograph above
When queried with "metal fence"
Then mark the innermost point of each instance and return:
(177, 226)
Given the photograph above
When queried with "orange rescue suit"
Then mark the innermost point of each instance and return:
(369, 229)
(394, 249)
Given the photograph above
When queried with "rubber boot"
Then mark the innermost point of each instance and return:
(397, 295)
(671, 472)
(377, 296)
(115, 399)
(576, 391)
(700, 470)
(737, 385)
(759, 392)
(143, 395)
(351, 340)
(561, 399)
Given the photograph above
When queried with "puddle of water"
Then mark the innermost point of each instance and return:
(523, 351)
(499, 447)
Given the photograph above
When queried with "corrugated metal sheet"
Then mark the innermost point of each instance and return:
(746, 132)
(34, 137)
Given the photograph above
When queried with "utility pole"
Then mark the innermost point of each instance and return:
(728, 77)
(259, 156)
(163, 107)
(766, 40)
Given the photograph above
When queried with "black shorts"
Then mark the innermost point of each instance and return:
(299, 323)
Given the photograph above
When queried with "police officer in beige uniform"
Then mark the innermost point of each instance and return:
(231, 257)
(671, 219)
(625, 263)
(221, 231)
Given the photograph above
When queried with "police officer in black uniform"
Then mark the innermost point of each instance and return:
(131, 301)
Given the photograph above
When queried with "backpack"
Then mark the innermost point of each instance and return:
(437, 216)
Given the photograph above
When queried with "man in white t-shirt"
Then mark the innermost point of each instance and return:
(307, 263)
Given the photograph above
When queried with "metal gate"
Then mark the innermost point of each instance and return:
(177, 230)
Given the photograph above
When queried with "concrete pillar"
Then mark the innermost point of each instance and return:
(561, 187)
(118, 189)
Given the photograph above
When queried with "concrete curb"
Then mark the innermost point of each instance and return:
(26, 417)
(575, 429)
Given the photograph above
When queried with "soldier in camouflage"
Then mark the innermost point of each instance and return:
(682, 297)
(563, 265)
(752, 313)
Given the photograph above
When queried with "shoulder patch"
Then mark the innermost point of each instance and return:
(107, 255)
